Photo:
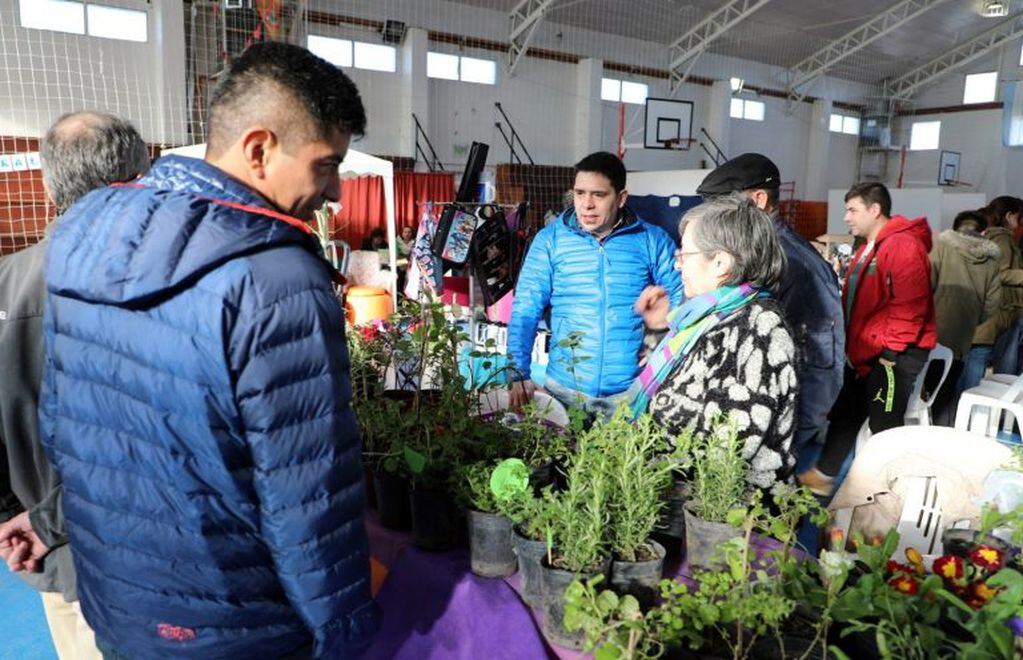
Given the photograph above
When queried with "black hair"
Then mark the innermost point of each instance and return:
(976, 217)
(603, 162)
(999, 207)
(872, 192)
(277, 81)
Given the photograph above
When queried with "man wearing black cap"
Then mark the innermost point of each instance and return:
(809, 294)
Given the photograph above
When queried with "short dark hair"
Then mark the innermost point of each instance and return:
(975, 217)
(773, 196)
(83, 151)
(294, 92)
(872, 192)
(999, 207)
(603, 162)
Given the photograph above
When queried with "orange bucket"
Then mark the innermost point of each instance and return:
(367, 303)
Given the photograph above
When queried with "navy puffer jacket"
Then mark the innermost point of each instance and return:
(197, 405)
(591, 287)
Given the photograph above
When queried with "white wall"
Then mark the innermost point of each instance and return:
(987, 165)
(44, 74)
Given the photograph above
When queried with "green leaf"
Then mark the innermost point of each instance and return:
(416, 462)
(736, 517)
(607, 652)
(629, 607)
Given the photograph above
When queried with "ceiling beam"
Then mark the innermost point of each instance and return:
(905, 85)
(525, 18)
(687, 48)
(817, 64)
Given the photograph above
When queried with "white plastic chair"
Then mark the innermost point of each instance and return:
(496, 400)
(981, 408)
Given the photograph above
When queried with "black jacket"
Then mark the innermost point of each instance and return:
(27, 479)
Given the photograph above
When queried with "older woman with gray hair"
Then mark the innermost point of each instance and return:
(727, 350)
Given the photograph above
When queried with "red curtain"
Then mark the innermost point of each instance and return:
(362, 210)
(362, 202)
(411, 189)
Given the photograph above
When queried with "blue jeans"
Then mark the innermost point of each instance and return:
(974, 368)
(593, 405)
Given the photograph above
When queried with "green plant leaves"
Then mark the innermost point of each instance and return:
(509, 479)
(416, 461)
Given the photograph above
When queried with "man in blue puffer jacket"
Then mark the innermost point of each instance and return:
(196, 390)
(589, 266)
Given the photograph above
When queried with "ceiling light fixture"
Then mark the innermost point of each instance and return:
(995, 9)
(736, 84)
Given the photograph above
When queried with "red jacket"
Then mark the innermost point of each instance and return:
(893, 307)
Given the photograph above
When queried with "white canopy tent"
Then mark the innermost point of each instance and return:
(355, 164)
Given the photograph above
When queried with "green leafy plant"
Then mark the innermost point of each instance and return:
(639, 473)
(719, 472)
(614, 626)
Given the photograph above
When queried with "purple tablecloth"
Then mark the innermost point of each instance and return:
(435, 608)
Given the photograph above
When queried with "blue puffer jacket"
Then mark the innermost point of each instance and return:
(197, 405)
(590, 286)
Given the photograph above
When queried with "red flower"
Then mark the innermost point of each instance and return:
(949, 567)
(980, 594)
(895, 567)
(988, 558)
(905, 584)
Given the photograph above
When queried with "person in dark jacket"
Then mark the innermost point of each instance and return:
(588, 267)
(967, 291)
(196, 395)
(808, 294)
(890, 327)
(80, 152)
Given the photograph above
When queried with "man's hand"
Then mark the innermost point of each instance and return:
(20, 547)
(653, 305)
(520, 393)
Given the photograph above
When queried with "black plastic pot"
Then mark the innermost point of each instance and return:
(960, 542)
(392, 500)
(541, 477)
(672, 522)
(788, 646)
(491, 552)
(368, 481)
(437, 524)
(529, 554)
(703, 538)
(640, 578)
(554, 582)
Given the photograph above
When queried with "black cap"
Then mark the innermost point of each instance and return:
(745, 172)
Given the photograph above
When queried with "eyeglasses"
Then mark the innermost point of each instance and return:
(680, 255)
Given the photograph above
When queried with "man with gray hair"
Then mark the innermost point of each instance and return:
(81, 151)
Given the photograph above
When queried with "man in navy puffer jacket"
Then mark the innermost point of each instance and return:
(590, 266)
(196, 396)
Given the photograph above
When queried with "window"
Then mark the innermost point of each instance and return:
(361, 55)
(612, 89)
(117, 23)
(336, 51)
(466, 69)
(475, 70)
(375, 57)
(924, 135)
(1021, 55)
(844, 124)
(980, 87)
(80, 18)
(57, 15)
(440, 65)
(746, 109)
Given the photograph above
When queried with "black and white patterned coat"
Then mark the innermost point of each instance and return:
(744, 366)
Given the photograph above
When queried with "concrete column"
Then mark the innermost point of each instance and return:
(414, 97)
(717, 121)
(167, 39)
(817, 153)
(589, 111)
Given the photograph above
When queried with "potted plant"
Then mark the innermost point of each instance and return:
(490, 532)
(577, 526)
(639, 473)
(529, 514)
(718, 487)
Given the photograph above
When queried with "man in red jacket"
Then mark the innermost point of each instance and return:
(890, 328)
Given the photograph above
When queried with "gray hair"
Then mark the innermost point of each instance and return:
(83, 151)
(733, 224)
